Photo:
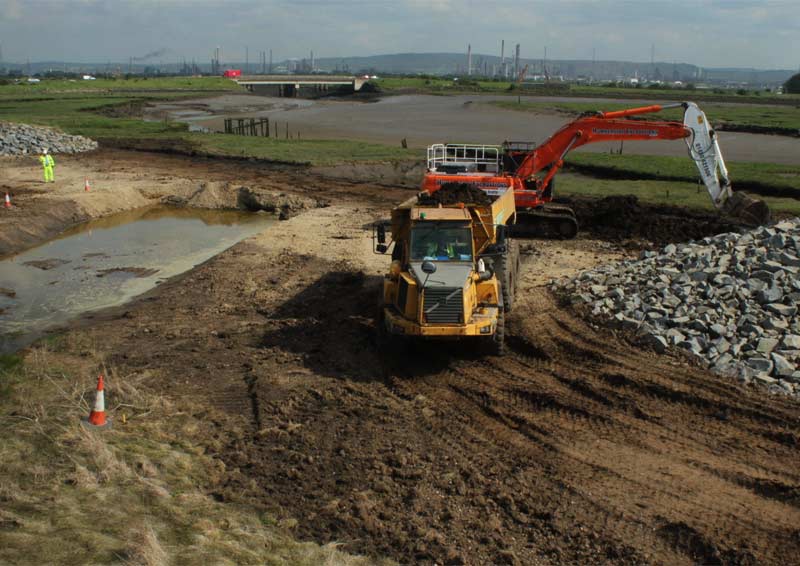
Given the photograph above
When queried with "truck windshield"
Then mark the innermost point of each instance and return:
(439, 242)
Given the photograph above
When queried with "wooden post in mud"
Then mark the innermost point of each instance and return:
(276, 130)
(240, 128)
(267, 130)
(287, 130)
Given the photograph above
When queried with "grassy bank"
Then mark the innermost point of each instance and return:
(133, 84)
(92, 114)
(314, 152)
(140, 493)
(443, 85)
(741, 115)
(675, 193)
(779, 179)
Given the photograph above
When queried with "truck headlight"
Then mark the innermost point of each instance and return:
(486, 329)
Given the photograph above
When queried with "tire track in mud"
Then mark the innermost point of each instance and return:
(574, 448)
(516, 408)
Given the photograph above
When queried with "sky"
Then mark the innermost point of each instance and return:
(710, 33)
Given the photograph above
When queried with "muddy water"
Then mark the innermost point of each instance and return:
(106, 262)
(425, 119)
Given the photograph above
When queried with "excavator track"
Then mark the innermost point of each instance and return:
(554, 221)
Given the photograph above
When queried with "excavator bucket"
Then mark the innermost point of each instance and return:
(704, 150)
(748, 210)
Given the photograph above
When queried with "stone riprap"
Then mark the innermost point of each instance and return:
(22, 139)
(730, 300)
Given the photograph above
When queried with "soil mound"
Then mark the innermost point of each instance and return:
(625, 217)
(454, 193)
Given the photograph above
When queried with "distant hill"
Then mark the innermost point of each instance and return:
(456, 63)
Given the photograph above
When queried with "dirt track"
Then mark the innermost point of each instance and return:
(574, 448)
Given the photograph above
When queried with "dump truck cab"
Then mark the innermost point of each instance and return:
(445, 280)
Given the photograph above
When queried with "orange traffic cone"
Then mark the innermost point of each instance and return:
(97, 418)
(86, 186)
(8, 201)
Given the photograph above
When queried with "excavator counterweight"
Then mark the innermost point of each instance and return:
(530, 172)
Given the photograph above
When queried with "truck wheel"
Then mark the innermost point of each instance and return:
(504, 271)
(516, 263)
(498, 339)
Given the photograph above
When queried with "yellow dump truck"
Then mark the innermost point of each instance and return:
(453, 270)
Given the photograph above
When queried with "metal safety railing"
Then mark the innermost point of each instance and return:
(469, 157)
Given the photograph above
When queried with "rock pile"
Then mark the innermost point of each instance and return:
(21, 139)
(730, 300)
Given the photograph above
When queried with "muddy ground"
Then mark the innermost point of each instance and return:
(576, 447)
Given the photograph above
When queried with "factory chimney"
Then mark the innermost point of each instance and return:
(503, 57)
(469, 59)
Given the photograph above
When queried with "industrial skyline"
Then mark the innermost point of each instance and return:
(762, 35)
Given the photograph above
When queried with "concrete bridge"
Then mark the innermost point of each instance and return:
(299, 85)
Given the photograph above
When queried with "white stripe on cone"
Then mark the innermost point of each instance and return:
(100, 402)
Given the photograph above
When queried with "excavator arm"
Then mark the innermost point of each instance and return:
(618, 125)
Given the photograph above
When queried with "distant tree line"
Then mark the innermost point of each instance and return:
(792, 86)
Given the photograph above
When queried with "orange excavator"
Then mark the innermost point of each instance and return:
(529, 170)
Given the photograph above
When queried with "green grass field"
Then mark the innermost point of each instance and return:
(676, 193)
(314, 152)
(48, 86)
(441, 85)
(741, 115)
(778, 176)
(81, 113)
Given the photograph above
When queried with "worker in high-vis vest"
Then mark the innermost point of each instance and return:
(49, 164)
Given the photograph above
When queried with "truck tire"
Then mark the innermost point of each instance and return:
(517, 263)
(497, 344)
(506, 275)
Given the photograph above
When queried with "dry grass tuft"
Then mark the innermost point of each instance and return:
(102, 457)
(82, 478)
(144, 548)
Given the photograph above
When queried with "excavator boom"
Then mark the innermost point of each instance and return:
(530, 172)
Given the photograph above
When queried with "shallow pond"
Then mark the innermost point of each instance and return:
(106, 262)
